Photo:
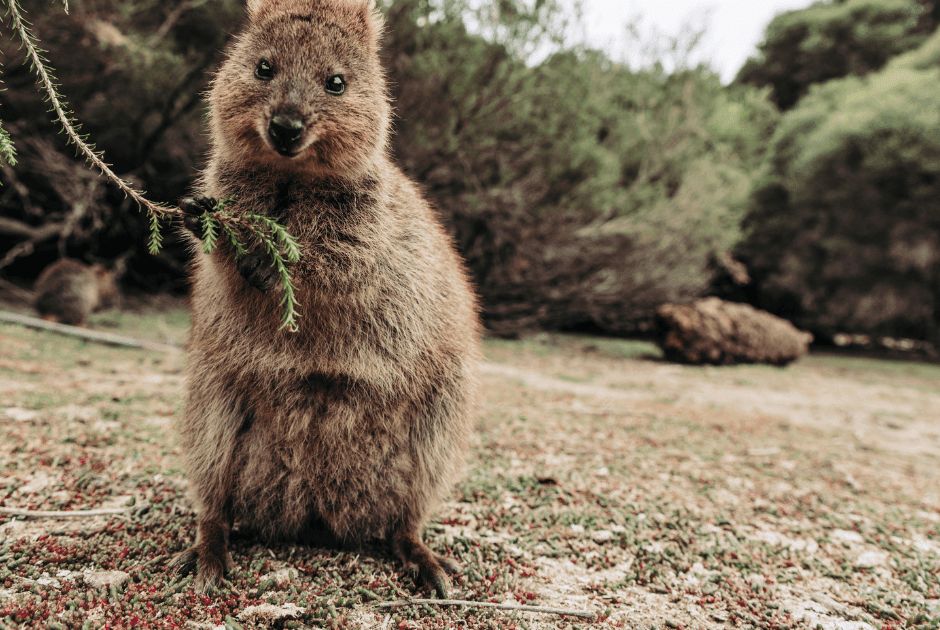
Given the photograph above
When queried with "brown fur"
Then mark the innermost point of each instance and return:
(68, 291)
(357, 423)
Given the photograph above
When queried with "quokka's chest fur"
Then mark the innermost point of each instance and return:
(344, 228)
(369, 286)
(326, 449)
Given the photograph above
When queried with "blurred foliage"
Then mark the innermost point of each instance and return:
(582, 193)
(927, 57)
(134, 73)
(844, 230)
(834, 39)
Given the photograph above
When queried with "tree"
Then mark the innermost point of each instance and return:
(583, 194)
(830, 40)
(843, 233)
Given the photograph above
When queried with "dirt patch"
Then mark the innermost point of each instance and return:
(648, 494)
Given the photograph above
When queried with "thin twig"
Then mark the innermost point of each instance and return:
(95, 336)
(272, 235)
(63, 514)
(171, 19)
(49, 86)
(468, 604)
(36, 236)
(16, 292)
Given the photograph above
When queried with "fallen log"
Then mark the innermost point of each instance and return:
(714, 332)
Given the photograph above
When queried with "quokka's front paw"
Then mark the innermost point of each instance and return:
(258, 270)
(210, 569)
(193, 210)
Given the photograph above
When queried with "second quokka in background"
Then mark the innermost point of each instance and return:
(354, 426)
(69, 291)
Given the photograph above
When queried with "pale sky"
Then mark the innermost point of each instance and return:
(734, 26)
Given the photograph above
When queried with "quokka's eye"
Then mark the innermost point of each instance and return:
(264, 70)
(336, 85)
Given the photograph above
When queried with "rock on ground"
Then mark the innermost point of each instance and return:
(715, 332)
(106, 579)
(270, 613)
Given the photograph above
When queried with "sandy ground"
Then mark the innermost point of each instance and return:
(603, 481)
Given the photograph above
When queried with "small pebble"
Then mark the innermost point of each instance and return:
(871, 559)
(271, 613)
(106, 579)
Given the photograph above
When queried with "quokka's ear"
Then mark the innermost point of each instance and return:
(371, 18)
(254, 6)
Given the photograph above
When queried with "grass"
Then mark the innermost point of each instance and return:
(602, 479)
(168, 324)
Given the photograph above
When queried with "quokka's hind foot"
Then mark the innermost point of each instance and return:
(210, 568)
(450, 566)
(429, 569)
(209, 558)
(184, 563)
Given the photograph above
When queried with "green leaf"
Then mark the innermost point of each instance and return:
(7, 149)
(156, 235)
(210, 233)
(237, 245)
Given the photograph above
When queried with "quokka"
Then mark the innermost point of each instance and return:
(355, 425)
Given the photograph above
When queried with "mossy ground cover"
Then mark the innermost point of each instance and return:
(602, 480)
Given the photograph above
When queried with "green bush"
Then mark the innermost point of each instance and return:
(830, 40)
(583, 194)
(927, 57)
(843, 233)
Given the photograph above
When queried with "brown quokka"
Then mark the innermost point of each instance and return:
(355, 425)
(68, 291)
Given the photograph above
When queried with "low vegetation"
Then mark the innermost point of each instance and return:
(583, 191)
(602, 481)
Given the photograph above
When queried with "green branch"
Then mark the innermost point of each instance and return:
(47, 82)
(272, 236)
(281, 247)
(7, 150)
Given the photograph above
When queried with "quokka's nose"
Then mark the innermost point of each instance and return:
(285, 132)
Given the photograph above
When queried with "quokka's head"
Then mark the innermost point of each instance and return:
(106, 280)
(303, 88)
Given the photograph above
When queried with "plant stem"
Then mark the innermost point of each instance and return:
(63, 514)
(48, 85)
(468, 604)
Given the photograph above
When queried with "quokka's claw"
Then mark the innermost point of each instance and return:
(257, 270)
(194, 208)
(210, 571)
(184, 563)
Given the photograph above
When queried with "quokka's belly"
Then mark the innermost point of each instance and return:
(334, 461)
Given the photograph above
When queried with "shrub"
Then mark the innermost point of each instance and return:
(843, 233)
(583, 194)
(830, 40)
